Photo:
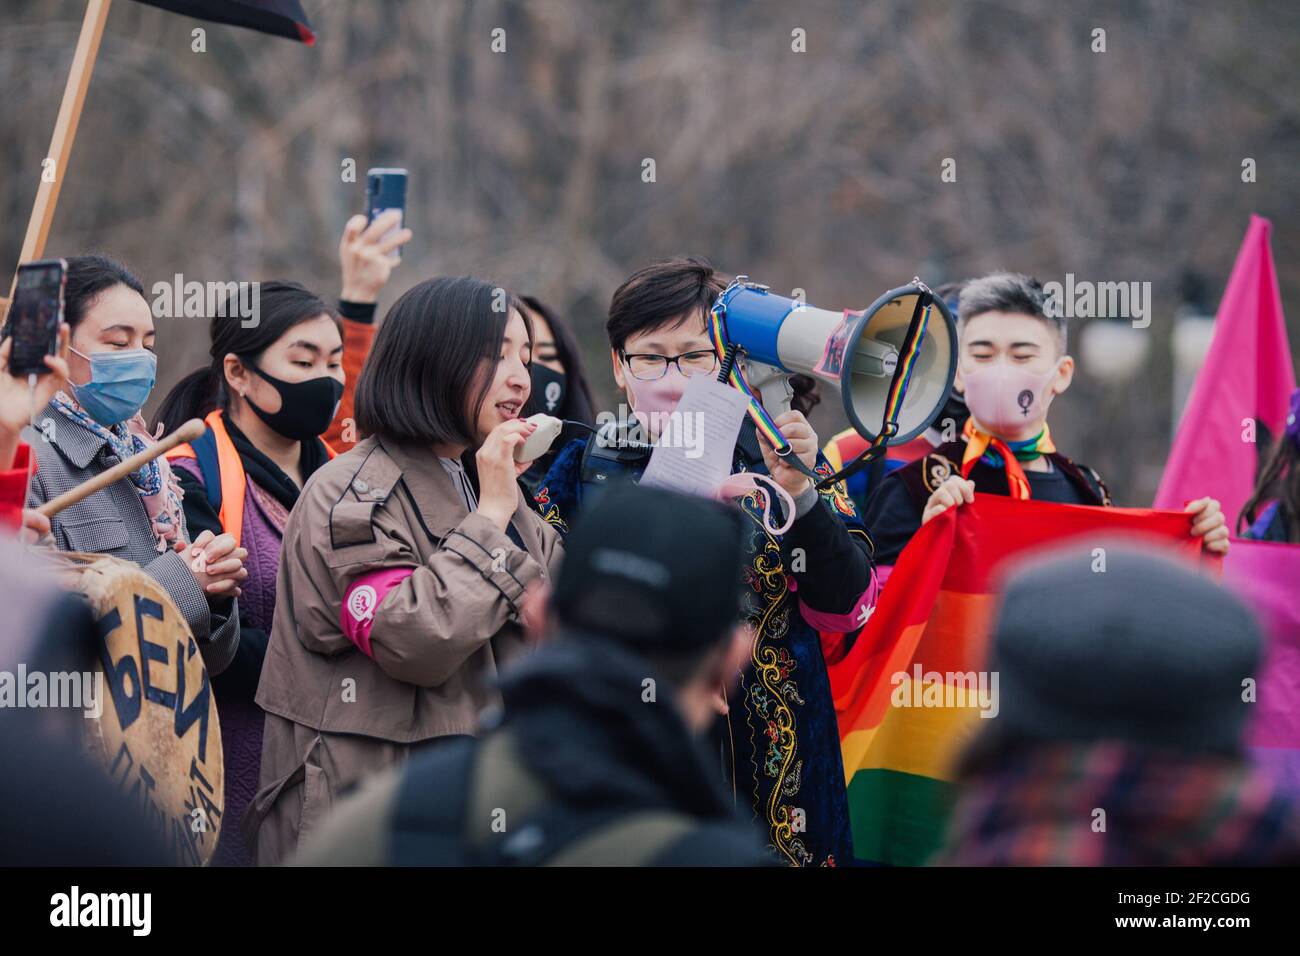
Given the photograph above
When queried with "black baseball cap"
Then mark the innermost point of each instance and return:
(653, 569)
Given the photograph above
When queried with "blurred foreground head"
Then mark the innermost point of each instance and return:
(1148, 652)
(657, 573)
(1119, 735)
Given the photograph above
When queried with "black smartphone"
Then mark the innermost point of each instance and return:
(385, 190)
(35, 314)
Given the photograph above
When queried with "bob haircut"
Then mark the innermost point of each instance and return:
(423, 380)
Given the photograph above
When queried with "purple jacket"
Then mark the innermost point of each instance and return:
(241, 718)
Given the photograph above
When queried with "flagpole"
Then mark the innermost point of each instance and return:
(65, 131)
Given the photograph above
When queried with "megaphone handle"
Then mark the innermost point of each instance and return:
(774, 384)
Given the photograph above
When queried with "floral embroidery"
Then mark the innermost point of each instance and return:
(837, 496)
(773, 692)
(550, 511)
(937, 470)
(793, 779)
(790, 692)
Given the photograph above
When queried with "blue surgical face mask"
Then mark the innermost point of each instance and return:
(120, 382)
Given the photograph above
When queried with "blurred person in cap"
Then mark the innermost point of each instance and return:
(594, 758)
(1119, 735)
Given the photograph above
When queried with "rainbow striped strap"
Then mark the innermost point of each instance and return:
(911, 348)
(732, 375)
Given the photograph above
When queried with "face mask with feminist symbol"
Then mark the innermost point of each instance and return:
(1005, 398)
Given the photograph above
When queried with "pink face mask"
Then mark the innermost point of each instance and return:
(746, 483)
(1005, 397)
(655, 399)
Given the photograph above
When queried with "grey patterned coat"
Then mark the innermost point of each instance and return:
(113, 522)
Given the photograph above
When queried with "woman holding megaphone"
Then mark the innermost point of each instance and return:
(777, 736)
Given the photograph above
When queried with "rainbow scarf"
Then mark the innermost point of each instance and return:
(982, 446)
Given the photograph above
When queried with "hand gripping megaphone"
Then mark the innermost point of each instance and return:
(892, 363)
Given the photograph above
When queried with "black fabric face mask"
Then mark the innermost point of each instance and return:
(306, 408)
(547, 395)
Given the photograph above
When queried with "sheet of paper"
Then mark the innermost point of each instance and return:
(697, 441)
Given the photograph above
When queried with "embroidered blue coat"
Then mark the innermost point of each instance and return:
(780, 744)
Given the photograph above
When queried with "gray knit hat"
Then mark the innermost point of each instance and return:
(1146, 651)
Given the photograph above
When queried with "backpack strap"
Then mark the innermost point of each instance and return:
(541, 831)
(1084, 479)
(449, 812)
(222, 472)
(608, 461)
(205, 453)
(636, 839)
(429, 813)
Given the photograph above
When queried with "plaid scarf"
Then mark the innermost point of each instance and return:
(1044, 807)
(158, 488)
(991, 450)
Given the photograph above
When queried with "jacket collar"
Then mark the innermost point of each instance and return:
(577, 711)
(439, 502)
(74, 441)
(953, 451)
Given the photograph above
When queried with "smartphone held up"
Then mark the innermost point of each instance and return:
(35, 316)
(385, 190)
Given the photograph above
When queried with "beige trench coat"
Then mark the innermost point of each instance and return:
(335, 715)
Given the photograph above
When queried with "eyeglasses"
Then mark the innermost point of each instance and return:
(649, 367)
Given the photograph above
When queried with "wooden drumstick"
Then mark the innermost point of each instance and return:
(190, 431)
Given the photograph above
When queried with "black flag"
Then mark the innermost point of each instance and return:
(282, 18)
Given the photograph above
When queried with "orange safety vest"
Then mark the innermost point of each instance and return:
(233, 483)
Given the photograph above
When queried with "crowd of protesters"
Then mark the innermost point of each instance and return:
(409, 631)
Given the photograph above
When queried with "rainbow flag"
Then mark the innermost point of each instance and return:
(1266, 575)
(907, 693)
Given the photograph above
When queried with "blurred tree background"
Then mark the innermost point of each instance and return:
(818, 170)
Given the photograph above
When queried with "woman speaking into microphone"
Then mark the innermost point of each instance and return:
(405, 562)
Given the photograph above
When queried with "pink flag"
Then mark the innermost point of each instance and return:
(1247, 375)
(1264, 574)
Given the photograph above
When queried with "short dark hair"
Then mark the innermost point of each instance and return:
(672, 291)
(88, 276)
(422, 380)
(1009, 292)
(668, 292)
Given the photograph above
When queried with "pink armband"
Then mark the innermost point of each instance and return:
(862, 609)
(362, 599)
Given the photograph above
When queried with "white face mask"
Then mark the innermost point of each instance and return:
(1005, 398)
(654, 401)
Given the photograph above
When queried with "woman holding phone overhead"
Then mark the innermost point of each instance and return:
(406, 560)
(95, 424)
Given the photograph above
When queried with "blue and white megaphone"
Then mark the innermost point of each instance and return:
(855, 352)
